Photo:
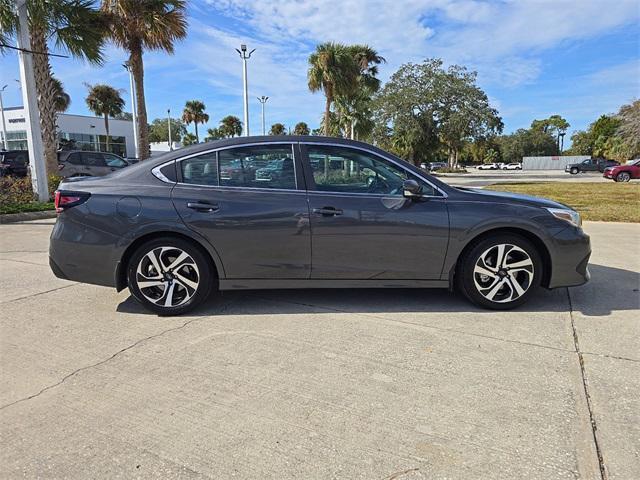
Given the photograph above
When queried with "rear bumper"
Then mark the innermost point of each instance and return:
(570, 258)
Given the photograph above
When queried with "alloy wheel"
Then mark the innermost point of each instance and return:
(503, 273)
(623, 177)
(167, 276)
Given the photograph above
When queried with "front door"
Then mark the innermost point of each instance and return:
(247, 202)
(363, 227)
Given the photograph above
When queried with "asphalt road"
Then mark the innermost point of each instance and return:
(482, 178)
(368, 384)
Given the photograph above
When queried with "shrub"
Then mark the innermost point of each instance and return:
(16, 194)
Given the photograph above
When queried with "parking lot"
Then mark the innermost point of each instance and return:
(395, 384)
(482, 178)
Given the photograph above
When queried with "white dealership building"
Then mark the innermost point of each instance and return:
(80, 131)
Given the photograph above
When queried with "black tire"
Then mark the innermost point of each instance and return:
(623, 177)
(177, 281)
(467, 280)
(574, 171)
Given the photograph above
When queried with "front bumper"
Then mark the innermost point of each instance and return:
(570, 258)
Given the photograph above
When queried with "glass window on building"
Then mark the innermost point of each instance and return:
(17, 140)
(93, 143)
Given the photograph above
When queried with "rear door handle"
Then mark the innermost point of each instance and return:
(203, 206)
(328, 211)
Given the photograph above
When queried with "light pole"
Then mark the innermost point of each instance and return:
(245, 56)
(263, 100)
(561, 138)
(169, 127)
(127, 66)
(4, 125)
(31, 113)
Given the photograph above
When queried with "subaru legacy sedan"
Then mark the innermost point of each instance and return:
(306, 212)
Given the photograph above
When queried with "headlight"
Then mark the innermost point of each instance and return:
(570, 216)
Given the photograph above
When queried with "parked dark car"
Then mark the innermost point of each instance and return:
(351, 215)
(14, 162)
(435, 166)
(623, 173)
(590, 165)
(83, 163)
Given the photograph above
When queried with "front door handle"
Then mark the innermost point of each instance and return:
(328, 211)
(203, 206)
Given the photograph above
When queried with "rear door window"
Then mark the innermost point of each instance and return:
(260, 166)
(93, 159)
(200, 170)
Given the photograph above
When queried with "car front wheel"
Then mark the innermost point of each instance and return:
(500, 272)
(169, 276)
(623, 177)
(574, 171)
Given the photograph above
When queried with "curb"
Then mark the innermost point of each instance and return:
(26, 216)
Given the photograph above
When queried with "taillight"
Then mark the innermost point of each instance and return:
(64, 199)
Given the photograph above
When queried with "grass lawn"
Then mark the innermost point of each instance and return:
(26, 207)
(607, 202)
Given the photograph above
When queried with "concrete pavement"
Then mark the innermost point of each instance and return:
(369, 384)
(482, 178)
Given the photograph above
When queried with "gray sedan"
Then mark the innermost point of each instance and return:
(338, 214)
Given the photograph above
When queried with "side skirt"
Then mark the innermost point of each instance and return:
(267, 284)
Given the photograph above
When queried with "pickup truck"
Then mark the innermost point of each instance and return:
(590, 165)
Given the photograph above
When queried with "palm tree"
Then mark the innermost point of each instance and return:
(188, 139)
(333, 70)
(136, 26)
(230, 126)
(62, 98)
(301, 128)
(213, 134)
(194, 113)
(75, 27)
(278, 129)
(104, 100)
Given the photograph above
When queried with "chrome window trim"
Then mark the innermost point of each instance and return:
(356, 147)
(161, 176)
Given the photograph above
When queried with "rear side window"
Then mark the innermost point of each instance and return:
(200, 170)
(93, 159)
(74, 158)
(258, 167)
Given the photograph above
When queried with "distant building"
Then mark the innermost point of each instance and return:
(78, 131)
(557, 162)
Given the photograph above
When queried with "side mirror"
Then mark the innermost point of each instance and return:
(411, 189)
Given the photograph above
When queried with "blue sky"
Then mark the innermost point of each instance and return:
(535, 58)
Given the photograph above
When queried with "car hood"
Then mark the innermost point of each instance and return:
(480, 195)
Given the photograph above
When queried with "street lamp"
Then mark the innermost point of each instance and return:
(169, 127)
(127, 66)
(245, 56)
(263, 100)
(4, 125)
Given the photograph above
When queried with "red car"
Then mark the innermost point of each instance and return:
(623, 173)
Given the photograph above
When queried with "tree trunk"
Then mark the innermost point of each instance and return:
(46, 94)
(327, 116)
(106, 127)
(197, 137)
(137, 68)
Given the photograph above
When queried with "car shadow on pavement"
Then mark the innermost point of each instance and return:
(610, 289)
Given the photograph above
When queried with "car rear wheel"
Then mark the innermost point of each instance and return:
(500, 272)
(169, 276)
(623, 177)
(574, 171)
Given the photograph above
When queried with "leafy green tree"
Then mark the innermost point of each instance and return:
(62, 100)
(128, 116)
(159, 130)
(526, 143)
(555, 125)
(189, 139)
(194, 113)
(332, 70)
(105, 101)
(136, 26)
(73, 26)
(301, 128)
(230, 126)
(629, 129)
(278, 129)
(581, 143)
(213, 134)
(428, 107)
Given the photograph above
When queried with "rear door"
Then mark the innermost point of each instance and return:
(257, 218)
(362, 225)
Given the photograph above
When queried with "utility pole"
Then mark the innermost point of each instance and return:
(169, 127)
(4, 125)
(31, 113)
(245, 56)
(263, 100)
(134, 110)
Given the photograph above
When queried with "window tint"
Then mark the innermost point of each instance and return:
(340, 169)
(91, 159)
(200, 170)
(258, 167)
(113, 161)
(74, 158)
